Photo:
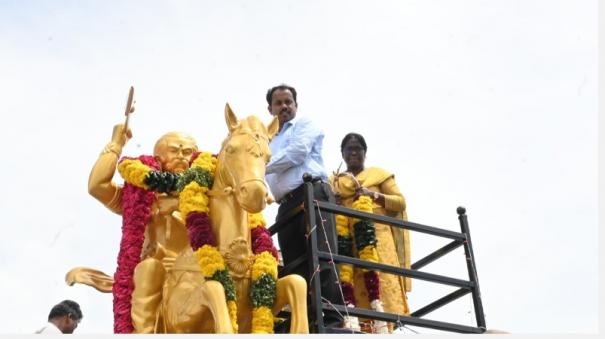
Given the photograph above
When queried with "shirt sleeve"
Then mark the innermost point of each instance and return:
(302, 139)
(393, 199)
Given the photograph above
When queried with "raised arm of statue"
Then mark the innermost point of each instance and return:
(100, 184)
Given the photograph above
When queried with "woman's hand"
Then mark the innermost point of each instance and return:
(375, 196)
(364, 191)
(338, 198)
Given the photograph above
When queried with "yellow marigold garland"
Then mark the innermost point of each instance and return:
(363, 204)
(206, 161)
(262, 320)
(232, 306)
(343, 232)
(345, 247)
(194, 206)
(193, 199)
(368, 253)
(342, 225)
(256, 220)
(264, 275)
(210, 260)
(365, 240)
(346, 273)
(264, 263)
(134, 172)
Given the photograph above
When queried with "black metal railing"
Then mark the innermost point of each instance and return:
(314, 256)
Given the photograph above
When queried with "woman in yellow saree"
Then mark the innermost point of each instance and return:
(378, 189)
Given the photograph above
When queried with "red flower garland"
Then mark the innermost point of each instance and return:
(261, 241)
(136, 212)
(200, 230)
(348, 292)
(372, 285)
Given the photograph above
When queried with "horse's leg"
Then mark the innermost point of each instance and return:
(182, 309)
(214, 299)
(147, 295)
(292, 290)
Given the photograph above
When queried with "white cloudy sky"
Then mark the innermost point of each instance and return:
(487, 104)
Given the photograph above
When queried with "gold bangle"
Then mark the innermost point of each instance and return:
(112, 148)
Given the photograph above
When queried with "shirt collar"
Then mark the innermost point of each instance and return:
(55, 326)
(291, 122)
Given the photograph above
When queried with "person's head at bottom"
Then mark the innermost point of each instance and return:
(66, 315)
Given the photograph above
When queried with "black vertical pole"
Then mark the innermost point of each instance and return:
(315, 283)
(472, 269)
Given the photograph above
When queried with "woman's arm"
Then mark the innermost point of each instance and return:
(390, 196)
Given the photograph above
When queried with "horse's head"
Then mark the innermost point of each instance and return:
(243, 157)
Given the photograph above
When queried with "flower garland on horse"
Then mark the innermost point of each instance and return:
(142, 178)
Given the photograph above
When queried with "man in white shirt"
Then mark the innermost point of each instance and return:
(63, 318)
(296, 150)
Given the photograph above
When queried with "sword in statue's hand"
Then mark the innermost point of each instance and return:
(129, 107)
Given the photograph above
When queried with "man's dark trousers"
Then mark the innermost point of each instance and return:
(293, 243)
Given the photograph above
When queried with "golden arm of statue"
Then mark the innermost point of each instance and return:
(100, 184)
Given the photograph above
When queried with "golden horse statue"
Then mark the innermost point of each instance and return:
(188, 303)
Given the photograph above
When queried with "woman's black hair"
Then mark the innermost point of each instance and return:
(350, 136)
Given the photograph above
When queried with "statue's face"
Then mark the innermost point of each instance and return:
(174, 152)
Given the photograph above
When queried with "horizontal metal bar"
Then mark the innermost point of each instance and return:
(291, 266)
(436, 255)
(329, 207)
(396, 270)
(407, 320)
(281, 223)
(440, 302)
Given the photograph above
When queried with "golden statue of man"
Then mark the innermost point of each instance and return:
(165, 235)
(170, 294)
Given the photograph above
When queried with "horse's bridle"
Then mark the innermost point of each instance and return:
(229, 189)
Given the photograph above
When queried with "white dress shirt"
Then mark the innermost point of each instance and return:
(50, 328)
(296, 149)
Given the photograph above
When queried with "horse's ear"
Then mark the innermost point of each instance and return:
(230, 118)
(273, 127)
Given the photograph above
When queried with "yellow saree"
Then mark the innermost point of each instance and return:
(393, 243)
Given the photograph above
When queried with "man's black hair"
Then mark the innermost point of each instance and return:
(66, 307)
(281, 87)
(350, 136)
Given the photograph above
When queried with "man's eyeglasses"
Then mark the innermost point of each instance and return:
(356, 149)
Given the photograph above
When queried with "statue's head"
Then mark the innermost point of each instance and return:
(174, 151)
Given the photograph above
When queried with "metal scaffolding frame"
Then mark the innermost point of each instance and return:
(314, 256)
